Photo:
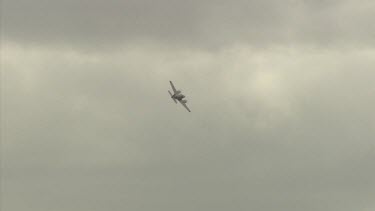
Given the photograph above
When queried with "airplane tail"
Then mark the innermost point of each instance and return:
(172, 97)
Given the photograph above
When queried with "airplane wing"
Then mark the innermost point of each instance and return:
(184, 104)
(174, 89)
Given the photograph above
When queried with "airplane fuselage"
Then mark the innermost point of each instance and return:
(178, 96)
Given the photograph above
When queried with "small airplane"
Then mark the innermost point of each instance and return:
(177, 96)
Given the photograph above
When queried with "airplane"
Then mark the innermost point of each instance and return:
(178, 96)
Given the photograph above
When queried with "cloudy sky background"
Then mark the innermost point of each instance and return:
(282, 95)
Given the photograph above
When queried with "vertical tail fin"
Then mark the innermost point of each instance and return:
(172, 96)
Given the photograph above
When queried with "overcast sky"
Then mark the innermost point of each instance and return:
(282, 95)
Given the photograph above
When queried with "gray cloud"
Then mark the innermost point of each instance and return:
(197, 24)
(281, 94)
(284, 129)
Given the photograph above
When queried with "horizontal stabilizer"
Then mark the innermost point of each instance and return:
(172, 97)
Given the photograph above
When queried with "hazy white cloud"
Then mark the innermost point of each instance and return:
(281, 128)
